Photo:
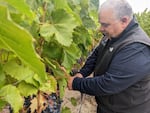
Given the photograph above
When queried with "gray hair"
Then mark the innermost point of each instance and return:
(119, 7)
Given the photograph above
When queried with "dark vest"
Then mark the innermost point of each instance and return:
(122, 102)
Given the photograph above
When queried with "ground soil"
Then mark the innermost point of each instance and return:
(88, 102)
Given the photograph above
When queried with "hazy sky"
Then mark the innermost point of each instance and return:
(137, 5)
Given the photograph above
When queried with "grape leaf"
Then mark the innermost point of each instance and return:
(2, 104)
(88, 22)
(65, 4)
(57, 71)
(11, 95)
(21, 43)
(20, 72)
(32, 80)
(2, 77)
(82, 38)
(60, 4)
(52, 51)
(61, 26)
(34, 105)
(62, 86)
(24, 9)
(27, 89)
(71, 54)
(2, 45)
(49, 86)
(17, 71)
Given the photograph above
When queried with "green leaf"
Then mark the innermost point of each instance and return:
(93, 10)
(20, 42)
(17, 71)
(82, 38)
(11, 95)
(33, 81)
(20, 72)
(27, 89)
(65, 4)
(20, 6)
(93, 5)
(74, 2)
(2, 77)
(2, 104)
(62, 86)
(52, 50)
(61, 26)
(57, 71)
(49, 86)
(73, 101)
(71, 54)
(66, 110)
(2, 45)
(74, 9)
(34, 4)
(60, 4)
(88, 22)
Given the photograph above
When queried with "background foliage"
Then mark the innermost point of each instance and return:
(144, 20)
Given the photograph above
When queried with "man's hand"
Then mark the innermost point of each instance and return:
(70, 80)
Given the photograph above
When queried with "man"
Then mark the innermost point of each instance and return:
(120, 64)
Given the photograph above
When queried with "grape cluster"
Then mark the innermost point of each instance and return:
(54, 104)
(27, 104)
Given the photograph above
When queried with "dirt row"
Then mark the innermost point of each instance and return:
(88, 102)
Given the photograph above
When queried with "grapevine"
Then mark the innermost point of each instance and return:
(41, 42)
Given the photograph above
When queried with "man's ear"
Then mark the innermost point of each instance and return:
(124, 19)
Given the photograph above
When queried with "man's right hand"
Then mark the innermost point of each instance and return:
(70, 80)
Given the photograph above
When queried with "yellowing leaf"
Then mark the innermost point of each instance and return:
(34, 105)
(49, 86)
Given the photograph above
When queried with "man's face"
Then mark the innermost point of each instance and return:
(109, 25)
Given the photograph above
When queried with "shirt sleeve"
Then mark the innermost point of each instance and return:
(90, 63)
(128, 66)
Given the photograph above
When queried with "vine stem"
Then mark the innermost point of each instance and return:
(44, 12)
(38, 102)
(64, 70)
